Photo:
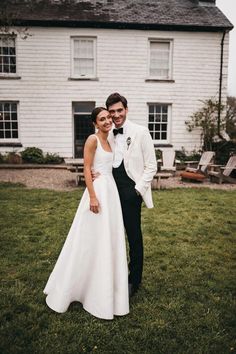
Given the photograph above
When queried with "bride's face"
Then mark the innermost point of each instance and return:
(104, 121)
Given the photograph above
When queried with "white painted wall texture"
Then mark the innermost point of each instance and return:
(45, 92)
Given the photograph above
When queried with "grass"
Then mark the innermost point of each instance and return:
(186, 303)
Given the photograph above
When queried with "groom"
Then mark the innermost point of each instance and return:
(133, 169)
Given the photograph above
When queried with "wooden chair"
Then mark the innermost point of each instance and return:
(220, 174)
(166, 167)
(199, 173)
(206, 158)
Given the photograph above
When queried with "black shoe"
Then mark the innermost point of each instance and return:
(133, 289)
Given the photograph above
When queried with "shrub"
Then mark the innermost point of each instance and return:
(32, 155)
(52, 158)
(13, 157)
(183, 155)
(223, 150)
(2, 158)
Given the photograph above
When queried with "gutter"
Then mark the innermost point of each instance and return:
(220, 85)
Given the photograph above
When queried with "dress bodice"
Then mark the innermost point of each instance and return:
(102, 160)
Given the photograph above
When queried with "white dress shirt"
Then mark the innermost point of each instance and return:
(120, 145)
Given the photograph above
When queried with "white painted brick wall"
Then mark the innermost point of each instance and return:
(46, 95)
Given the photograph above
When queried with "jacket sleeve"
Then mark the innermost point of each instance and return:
(149, 160)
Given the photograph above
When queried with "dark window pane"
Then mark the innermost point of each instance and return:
(14, 116)
(164, 118)
(5, 50)
(12, 68)
(1, 134)
(158, 109)
(7, 125)
(15, 134)
(164, 109)
(12, 51)
(158, 127)
(152, 135)
(150, 126)
(12, 60)
(86, 107)
(14, 125)
(13, 107)
(8, 134)
(158, 118)
(6, 116)
(5, 68)
(157, 136)
(151, 118)
(164, 127)
(163, 135)
(151, 109)
(7, 107)
(1, 125)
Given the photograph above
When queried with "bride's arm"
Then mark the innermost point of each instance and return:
(89, 152)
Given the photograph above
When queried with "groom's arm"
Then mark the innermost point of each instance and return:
(150, 163)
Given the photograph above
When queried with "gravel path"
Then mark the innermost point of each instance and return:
(64, 180)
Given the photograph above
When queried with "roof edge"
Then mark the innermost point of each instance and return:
(117, 25)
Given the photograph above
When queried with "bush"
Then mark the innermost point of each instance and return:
(13, 158)
(52, 158)
(223, 150)
(35, 155)
(183, 155)
(32, 155)
(2, 158)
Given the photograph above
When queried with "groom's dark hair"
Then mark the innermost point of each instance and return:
(115, 98)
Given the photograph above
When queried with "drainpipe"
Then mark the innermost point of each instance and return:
(220, 86)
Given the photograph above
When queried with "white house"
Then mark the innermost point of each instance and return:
(163, 56)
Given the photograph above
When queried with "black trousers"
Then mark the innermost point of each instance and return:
(131, 210)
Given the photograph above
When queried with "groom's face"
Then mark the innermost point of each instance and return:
(118, 113)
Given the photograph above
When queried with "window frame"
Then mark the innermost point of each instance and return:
(86, 76)
(169, 120)
(6, 74)
(170, 68)
(12, 140)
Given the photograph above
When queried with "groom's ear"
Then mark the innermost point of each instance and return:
(126, 110)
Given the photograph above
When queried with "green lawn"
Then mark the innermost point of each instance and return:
(186, 303)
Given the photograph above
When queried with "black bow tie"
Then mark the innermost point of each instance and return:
(117, 131)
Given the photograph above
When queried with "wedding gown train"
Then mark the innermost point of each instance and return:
(92, 266)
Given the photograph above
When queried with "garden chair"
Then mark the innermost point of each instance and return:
(166, 167)
(199, 173)
(206, 158)
(220, 174)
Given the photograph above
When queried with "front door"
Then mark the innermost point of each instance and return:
(83, 125)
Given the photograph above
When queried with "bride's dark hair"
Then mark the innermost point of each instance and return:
(95, 112)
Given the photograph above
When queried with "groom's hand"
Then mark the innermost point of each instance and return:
(95, 175)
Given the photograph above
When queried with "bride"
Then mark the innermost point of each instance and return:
(92, 266)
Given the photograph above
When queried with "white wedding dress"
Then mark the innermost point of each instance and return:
(92, 266)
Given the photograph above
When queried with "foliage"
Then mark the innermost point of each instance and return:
(32, 155)
(35, 155)
(2, 158)
(185, 305)
(13, 158)
(223, 150)
(183, 155)
(206, 119)
(231, 117)
(53, 158)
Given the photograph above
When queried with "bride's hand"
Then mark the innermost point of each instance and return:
(94, 205)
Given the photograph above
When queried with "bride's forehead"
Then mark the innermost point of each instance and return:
(102, 114)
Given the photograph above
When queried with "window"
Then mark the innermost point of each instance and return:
(83, 125)
(8, 120)
(160, 59)
(7, 55)
(159, 122)
(83, 57)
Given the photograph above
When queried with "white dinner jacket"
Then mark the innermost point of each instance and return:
(139, 158)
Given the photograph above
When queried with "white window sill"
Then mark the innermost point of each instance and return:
(9, 77)
(10, 143)
(159, 80)
(83, 79)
